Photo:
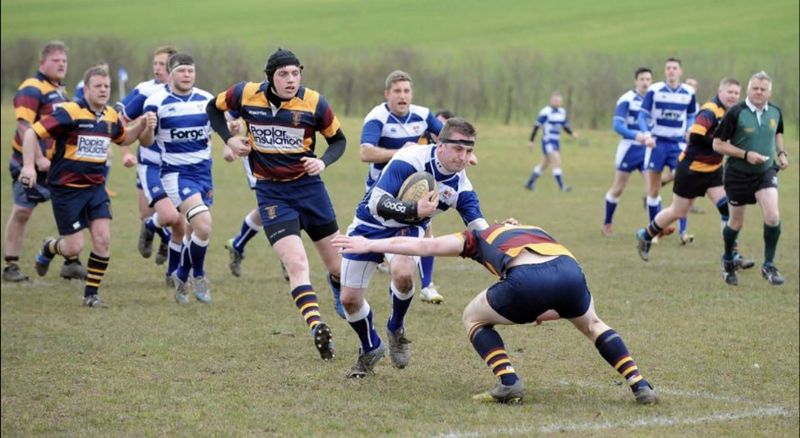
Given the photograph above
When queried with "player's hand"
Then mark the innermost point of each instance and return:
(128, 159)
(228, 154)
(150, 120)
(27, 176)
(235, 126)
(350, 245)
(640, 138)
(756, 158)
(42, 163)
(239, 146)
(650, 142)
(313, 166)
(783, 161)
(575, 135)
(426, 206)
(531, 145)
(510, 221)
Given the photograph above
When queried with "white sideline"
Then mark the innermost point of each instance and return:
(644, 422)
(767, 411)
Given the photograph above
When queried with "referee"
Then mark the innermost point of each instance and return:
(751, 135)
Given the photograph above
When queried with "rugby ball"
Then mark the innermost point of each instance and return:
(416, 186)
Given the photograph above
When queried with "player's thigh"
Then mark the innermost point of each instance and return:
(479, 313)
(768, 201)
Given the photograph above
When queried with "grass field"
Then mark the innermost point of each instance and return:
(579, 26)
(724, 359)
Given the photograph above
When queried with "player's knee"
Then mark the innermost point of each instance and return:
(296, 264)
(772, 218)
(404, 283)
(70, 247)
(21, 215)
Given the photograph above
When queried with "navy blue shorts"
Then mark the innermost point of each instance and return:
(527, 291)
(304, 203)
(74, 209)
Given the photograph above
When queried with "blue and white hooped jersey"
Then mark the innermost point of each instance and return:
(132, 106)
(386, 130)
(455, 190)
(183, 131)
(552, 121)
(628, 107)
(667, 110)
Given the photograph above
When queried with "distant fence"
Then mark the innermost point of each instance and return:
(504, 86)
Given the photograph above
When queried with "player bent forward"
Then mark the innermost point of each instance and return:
(540, 281)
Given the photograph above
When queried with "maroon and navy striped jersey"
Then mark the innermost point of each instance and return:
(82, 138)
(281, 136)
(495, 246)
(36, 97)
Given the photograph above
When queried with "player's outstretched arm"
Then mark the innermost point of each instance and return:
(450, 245)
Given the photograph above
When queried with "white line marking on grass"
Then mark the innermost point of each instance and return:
(714, 417)
(644, 422)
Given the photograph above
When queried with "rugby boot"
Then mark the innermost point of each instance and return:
(742, 262)
(73, 271)
(235, 264)
(181, 290)
(202, 291)
(607, 230)
(337, 300)
(13, 274)
(642, 244)
(502, 394)
(729, 272)
(94, 302)
(323, 340)
(431, 295)
(771, 274)
(365, 364)
(163, 252)
(145, 244)
(645, 394)
(399, 347)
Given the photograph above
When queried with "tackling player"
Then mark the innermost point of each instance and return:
(540, 280)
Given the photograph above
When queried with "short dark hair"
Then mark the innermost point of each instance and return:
(641, 70)
(92, 72)
(673, 59)
(51, 47)
(446, 114)
(459, 125)
(179, 59)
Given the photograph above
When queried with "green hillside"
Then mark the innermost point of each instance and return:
(455, 26)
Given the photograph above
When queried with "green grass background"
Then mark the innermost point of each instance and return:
(725, 359)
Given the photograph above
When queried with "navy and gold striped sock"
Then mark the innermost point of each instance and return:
(51, 247)
(96, 268)
(653, 230)
(614, 351)
(306, 300)
(11, 260)
(489, 345)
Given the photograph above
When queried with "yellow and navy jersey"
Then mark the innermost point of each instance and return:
(279, 136)
(82, 138)
(36, 97)
(699, 155)
(495, 246)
